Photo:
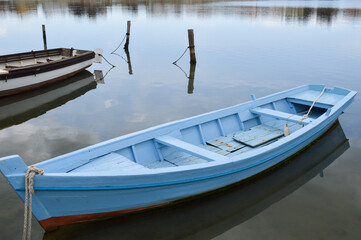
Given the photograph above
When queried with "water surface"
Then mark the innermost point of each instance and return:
(242, 47)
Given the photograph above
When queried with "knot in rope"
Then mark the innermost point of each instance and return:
(29, 191)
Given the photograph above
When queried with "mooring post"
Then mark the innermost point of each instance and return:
(128, 34)
(44, 38)
(192, 51)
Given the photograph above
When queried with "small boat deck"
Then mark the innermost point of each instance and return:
(220, 148)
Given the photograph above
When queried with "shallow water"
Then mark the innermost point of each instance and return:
(242, 47)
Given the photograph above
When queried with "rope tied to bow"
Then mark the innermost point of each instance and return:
(29, 191)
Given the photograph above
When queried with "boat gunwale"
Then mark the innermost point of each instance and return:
(166, 128)
(179, 170)
(249, 157)
(34, 69)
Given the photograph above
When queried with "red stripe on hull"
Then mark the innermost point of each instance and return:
(53, 223)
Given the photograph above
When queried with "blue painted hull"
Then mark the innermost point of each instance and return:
(85, 185)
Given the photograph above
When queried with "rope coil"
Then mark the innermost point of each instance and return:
(29, 191)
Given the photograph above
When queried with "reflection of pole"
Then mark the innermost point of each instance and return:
(192, 51)
(192, 71)
(44, 38)
(128, 61)
(128, 34)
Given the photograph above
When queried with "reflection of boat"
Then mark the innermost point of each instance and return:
(26, 71)
(22, 107)
(182, 159)
(206, 218)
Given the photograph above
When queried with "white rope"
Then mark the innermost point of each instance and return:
(309, 110)
(29, 191)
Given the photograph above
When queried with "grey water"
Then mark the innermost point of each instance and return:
(242, 48)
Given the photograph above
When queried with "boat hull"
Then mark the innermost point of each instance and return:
(31, 77)
(86, 205)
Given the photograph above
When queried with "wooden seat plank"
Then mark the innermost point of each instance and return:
(280, 115)
(189, 148)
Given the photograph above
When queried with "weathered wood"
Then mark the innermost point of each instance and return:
(257, 135)
(192, 51)
(226, 143)
(44, 38)
(126, 45)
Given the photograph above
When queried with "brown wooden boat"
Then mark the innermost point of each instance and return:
(30, 70)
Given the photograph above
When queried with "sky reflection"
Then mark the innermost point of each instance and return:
(242, 47)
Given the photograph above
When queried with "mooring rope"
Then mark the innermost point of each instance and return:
(119, 44)
(29, 191)
(175, 62)
(309, 110)
(106, 60)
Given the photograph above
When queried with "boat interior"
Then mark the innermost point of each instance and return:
(13, 61)
(217, 139)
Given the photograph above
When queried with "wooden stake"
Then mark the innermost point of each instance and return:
(44, 38)
(192, 51)
(128, 34)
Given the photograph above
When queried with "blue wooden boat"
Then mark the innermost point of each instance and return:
(178, 160)
(229, 207)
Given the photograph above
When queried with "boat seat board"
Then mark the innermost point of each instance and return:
(189, 148)
(112, 162)
(280, 115)
(258, 135)
(311, 95)
(226, 143)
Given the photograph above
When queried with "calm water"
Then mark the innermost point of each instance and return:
(242, 47)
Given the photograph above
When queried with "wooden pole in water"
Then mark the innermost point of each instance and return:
(192, 51)
(128, 34)
(44, 38)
